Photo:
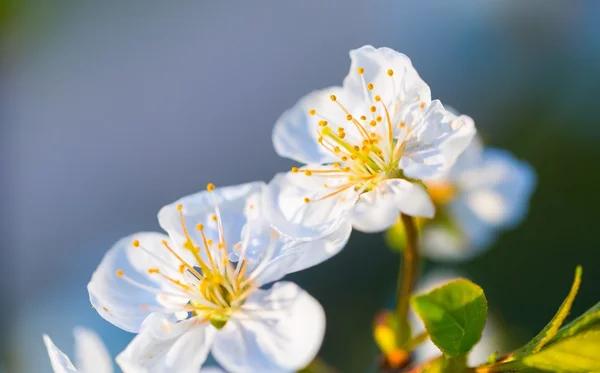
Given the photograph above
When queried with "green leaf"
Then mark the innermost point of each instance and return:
(454, 315)
(550, 330)
(589, 319)
(579, 353)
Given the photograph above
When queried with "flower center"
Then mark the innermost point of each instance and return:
(371, 153)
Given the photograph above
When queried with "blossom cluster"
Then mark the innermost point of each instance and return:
(369, 150)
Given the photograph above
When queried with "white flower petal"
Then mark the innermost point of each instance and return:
(117, 300)
(412, 198)
(376, 210)
(164, 347)
(478, 233)
(91, 353)
(280, 330)
(403, 87)
(199, 208)
(470, 159)
(298, 255)
(291, 216)
(499, 189)
(296, 132)
(434, 129)
(60, 362)
(379, 209)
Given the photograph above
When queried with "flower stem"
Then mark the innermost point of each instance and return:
(407, 277)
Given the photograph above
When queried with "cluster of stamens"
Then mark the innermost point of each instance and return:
(214, 286)
(366, 160)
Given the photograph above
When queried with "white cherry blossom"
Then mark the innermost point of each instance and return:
(487, 191)
(198, 290)
(365, 147)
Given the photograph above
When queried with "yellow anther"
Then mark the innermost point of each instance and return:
(200, 226)
(136, 243)
(362, 117)
(370, 86)
(179, 207)
(341, 129)
(322, 123)
(366, 149)
(373, 134)
(342, 135)
(307, 173)
(344, 158)
(213, 217)
(306, 199)
(181, 268)
(379, 118)
(366, 142)
(361, 70)
(401, 124)
(336, 164)
(377, 98)
(373, 123)
(209, 242)
(210, 187)
(373, 109)
(337, 149)
(348, 117)
(294, 169)
(120, 272)
(347, 169)
(333, 98)
(320, 139)
(356, 147)
(422, 105)
(153, 270)
(312, 112)
(220, 245)
(390, 72)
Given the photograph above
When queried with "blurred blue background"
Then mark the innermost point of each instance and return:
(110, 110)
